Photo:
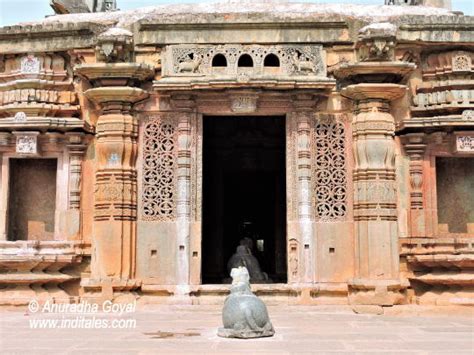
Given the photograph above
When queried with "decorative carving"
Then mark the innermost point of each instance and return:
(468, 115)
(20, 117)
(76, 152)
(115, 45)
(190, 65)
(330, 171)
(415, 148)
(185, 60)
(159, 170)
(465, 144)
(293, 259)
(461, 63)
(302, 64)
(377, 42)
(30, 65)
(244, 104)
(26, 142)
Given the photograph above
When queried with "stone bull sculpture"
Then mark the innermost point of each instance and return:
(244, 314)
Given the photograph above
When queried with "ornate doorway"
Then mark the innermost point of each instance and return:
(244, 193)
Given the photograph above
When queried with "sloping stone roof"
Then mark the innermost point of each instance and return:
(241, 11)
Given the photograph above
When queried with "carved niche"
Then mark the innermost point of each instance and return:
(159, 167)
(330, 170)
(290, 60)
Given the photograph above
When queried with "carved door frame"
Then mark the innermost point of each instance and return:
(197, 183)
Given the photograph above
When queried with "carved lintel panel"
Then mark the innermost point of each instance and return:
(159, 177)
(287, 60)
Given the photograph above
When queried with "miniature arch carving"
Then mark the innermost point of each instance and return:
(219, 60)
(245, 61)
(271, 60)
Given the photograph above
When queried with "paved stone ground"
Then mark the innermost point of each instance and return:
(192, 329)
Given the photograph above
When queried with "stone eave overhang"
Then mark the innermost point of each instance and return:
(329, 32)
(432, 124)
(179, 84)
(436, 29)
(45, 124)
(49, 37)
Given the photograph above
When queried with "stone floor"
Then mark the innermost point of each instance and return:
(192, 329)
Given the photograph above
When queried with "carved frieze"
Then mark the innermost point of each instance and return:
(229, 60)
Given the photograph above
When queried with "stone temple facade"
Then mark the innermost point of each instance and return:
(139, 147)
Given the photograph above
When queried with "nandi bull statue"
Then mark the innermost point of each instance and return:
(244, 314)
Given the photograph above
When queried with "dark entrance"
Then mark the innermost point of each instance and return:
(244, 193)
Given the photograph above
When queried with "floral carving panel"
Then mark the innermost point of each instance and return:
(159, 170)
(330, 171)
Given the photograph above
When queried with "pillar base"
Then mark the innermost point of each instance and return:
(377, 292)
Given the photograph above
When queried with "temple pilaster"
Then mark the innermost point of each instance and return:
(376, 275)
(304, 104)
(115, 91)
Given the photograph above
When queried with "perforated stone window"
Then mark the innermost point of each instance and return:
(159, 170)
(330, 175)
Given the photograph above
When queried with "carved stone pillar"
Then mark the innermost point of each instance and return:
(115, 206)
(183, 201)
(303, 110)
(415, 149)
(375, 195)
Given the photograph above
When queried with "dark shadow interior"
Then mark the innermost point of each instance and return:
(244, 193)
(32, 199)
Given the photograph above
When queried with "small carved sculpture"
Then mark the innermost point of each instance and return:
(244, 314)
(243, 257)
(190, 65)
(302, 65)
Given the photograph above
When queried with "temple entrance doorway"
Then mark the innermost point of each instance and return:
(244, 197)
